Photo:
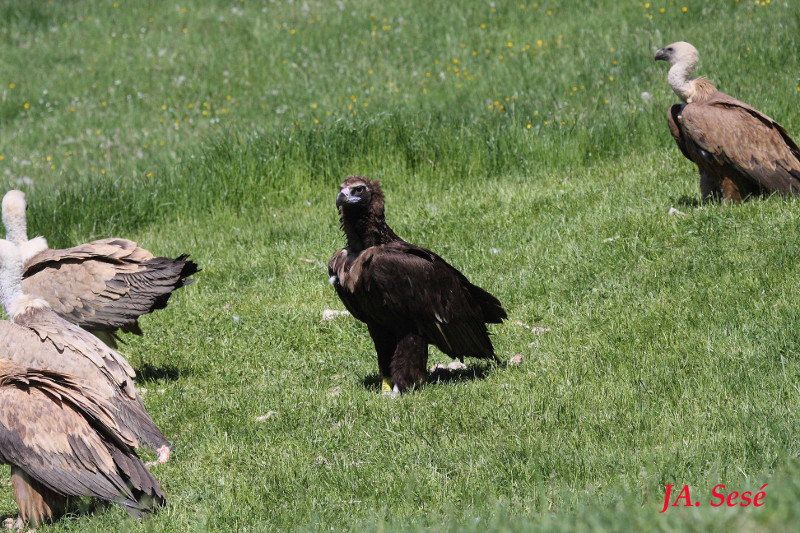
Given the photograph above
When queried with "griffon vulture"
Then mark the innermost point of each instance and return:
(103, 285)
(61, 440)
(39, 338)
(408, 296)
(739, 151)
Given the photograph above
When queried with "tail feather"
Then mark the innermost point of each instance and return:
(493, 312)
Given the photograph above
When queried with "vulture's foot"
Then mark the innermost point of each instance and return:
(163, 454)
(163, 457)
(386, 386)
(16, 525)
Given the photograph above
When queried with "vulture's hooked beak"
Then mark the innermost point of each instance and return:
(661, 55)
(344, 198)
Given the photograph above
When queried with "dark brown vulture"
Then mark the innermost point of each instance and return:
(36, 337)
(61, 440)
(103, 285)
(739, 151)
(408, 296)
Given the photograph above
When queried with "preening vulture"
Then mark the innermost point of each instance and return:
(408, 296)
(739, 151)
(103, 285)
(36, 337)
(61, 439)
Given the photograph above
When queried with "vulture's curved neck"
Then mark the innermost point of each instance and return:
(366, 228)
(16, 227)
(11, 286)
(678, 79)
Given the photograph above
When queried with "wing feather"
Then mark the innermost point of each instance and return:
(735, 134)
(41, 339)
(63, 435)
(401, 285)
(106, 284)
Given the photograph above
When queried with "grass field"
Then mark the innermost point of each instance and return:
(515, 140)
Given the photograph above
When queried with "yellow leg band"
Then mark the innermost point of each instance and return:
(386, 385)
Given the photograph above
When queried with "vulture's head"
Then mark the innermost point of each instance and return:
(358, 193)
(14, 207)
(678, 53)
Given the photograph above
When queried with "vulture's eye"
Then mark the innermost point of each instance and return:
(358, 190)
(669, 49)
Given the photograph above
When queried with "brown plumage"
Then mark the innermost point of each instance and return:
(37, 337)
(60, 438)
(739, 151)
(105, 285)
(102, 285)
(408, 296)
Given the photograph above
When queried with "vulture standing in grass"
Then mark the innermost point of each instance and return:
(408, 296)
(103, 285)
(739, 151)
(61, 440)
(37, 337)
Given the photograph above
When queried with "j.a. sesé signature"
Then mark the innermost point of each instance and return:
(718, 498)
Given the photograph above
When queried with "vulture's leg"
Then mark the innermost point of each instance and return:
(732, 191)
(385, 344)
(36, 502)
(408, 364)
(710, 187)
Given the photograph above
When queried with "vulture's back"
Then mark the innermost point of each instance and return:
(728, 137)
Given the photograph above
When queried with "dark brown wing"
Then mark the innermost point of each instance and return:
(62, 434)
(399, 285)
(107, 284)
(733, 133)
(41, 339)
(674, 128)
(338, 269)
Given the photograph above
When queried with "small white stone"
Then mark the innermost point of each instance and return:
(438, 366)
(330, 314)
(540, 330)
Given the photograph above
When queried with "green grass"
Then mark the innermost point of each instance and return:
(672, 355)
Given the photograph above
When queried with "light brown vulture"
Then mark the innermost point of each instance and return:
(103, 285)
(408, 296)
(61, 439)
(739, 151)
(37, 337)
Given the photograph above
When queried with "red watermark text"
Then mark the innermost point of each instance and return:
(719, 497)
